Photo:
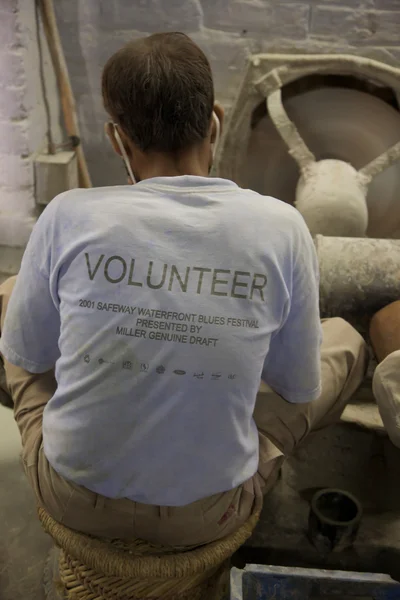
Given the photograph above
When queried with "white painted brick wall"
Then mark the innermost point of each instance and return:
(251, 16)
(356, 26)
(22, 125)
(152, 15)
(16, 182)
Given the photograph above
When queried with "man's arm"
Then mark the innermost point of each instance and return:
(293, 365)
(32, 323)
(385, 331)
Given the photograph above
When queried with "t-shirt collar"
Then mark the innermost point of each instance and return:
(187, 182)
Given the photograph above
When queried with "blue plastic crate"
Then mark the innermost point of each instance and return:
(257, 582)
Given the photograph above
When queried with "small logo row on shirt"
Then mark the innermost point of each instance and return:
(215, 375)
(160, 370)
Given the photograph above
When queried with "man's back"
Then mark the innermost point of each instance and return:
(161, 305)
(169, 293)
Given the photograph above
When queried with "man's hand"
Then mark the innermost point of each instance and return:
(385, 331)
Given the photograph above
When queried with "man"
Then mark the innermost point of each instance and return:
(385, 339)
(161, 305)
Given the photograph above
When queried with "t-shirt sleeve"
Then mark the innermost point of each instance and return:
(293, 364)
(32, 324)
(386, 388)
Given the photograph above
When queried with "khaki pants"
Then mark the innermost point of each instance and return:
(282, 426)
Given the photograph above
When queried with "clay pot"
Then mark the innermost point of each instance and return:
(334, 520)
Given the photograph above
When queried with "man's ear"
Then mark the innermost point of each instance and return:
(219, 111)
(109, 130)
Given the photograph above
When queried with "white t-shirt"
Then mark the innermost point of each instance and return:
(162, 304)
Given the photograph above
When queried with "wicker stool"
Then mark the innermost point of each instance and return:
(95, 569)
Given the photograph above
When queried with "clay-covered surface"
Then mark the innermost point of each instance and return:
(361, 461)
(335, 123)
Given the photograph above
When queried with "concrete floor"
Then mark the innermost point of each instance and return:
(23, 545)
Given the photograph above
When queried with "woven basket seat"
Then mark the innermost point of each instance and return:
(96, 569)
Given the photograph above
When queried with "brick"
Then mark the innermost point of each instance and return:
(343, 3)
(12, 69)
(386, 4)
(68, 12)
(15, 229)
(360, 4)
(111, 42)
(390, 56)
(15, 172)
(9, 29)
(227, 53)
(276, 20)
(261, 44)
(70, 39)
(18, 200)
(374, 28)
(152, 15)
(96, 47)
(14, 138)
(12, 104)
(9, 6)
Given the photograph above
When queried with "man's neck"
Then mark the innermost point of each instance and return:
(165, 165)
